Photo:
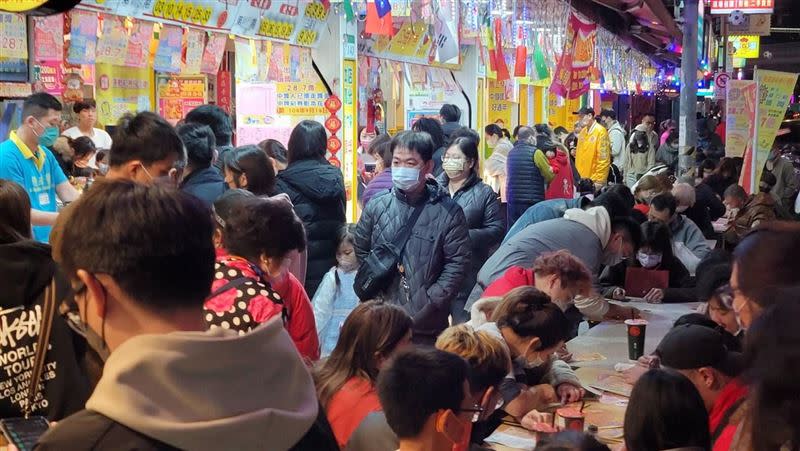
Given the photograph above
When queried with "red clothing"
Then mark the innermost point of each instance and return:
(644, 208)
(301, 325)
(562, 186)
(731, 397)
(349, 406)
(514, 277)
(721, 129)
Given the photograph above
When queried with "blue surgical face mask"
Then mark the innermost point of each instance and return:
(405, 179)
(48, 137)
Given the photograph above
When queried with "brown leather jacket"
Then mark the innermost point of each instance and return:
(758, 208)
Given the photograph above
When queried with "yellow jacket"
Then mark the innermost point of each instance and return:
(593, 156)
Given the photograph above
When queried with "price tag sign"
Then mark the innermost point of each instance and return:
(13, 36)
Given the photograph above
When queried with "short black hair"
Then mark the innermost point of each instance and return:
(542, 129)
(515, 133)
(80, 105)
(415, 141)
(381, 147)
(450, 112)
(308, 141)
(146, 137)
(465, 132)
(665, 411)
(664, 202)
(735, 191)
(216, 118)
(560, 130)
(493, 130)
(37, 105)
(570, 441)
(624, 193)
(82, 146)
(155, 242)
(653, 115)
(226, 203)
(275, 150)
(629, 228)
(418, 383)
(253, 225)
(528, 312)
(198, 140)
(657, 236)
(433, 128)
(609, 113)
(614, 204)
(253, 163)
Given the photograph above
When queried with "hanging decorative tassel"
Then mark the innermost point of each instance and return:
(520, 65)
(500, 58)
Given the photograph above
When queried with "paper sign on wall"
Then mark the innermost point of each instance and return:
(745, 46)
(212, 55)
(195, 44)
(112, 48)
(83, 37)
(48, 38)
(168, 55)
(138, 54)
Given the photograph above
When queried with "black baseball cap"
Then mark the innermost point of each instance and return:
(584, 111)
(692, 346)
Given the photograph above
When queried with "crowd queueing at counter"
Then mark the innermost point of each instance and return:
(163, 289)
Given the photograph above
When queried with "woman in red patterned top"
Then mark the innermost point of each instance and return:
(249, 259)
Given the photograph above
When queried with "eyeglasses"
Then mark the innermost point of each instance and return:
(476, 411)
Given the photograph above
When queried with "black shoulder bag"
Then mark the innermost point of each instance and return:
(376, 271)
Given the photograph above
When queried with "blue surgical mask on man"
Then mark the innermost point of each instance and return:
(48, 136)
(405, 179)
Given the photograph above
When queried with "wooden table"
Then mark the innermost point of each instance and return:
(610, 340)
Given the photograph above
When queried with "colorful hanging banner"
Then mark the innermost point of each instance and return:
(179, 94)
(195, 45)
(83, 37)
(301, 99)
(168, 55)
(740, 116)
(121, 90)
(48, 38)
(207, 14)
(112, 47)
(138, 54)
(13, 36)
(246, 61)
(573, 73)
(499, 105)
(774, 93)
(212, 55)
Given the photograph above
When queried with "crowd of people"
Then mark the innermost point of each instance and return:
(196, 295)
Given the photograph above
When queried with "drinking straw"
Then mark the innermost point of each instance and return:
(583, 404)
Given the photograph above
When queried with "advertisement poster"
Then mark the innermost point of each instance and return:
(499, 106)
(208, 14)
(741, 115)
(120, 90)
(179, 94)
(138, 54)
(48, 38)
(13, 36)
(224, 90)
(168, 55)
(301, 99)
(256, 104)
(774, 92)
(112, 47)
(212, 54)
(246, 60)
(83, 37)
(745, 46)
(49, 77)
(573, 73)
(195, 44)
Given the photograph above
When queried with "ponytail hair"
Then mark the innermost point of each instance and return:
(529, 313)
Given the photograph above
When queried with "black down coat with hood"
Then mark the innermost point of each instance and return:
(316, 189)
(436, 258)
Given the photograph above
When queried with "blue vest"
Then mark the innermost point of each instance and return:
(525, 184)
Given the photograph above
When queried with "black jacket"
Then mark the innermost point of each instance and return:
(482, 211)
(205, 184)
(316, 189)
(27, 269)
(706, 209)
(525, 184)
(436, 257)
(88, 430)
(679, 279)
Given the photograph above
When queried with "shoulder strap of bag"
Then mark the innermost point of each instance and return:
(236, 283)
(42, 342)
(405, 234)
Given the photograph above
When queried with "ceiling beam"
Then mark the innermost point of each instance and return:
(661, 12)
(616, 5)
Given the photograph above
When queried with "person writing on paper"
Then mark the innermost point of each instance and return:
(688, 240)
(25, 158)
(533, 328)
(655, 254)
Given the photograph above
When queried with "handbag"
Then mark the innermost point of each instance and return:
(376, 271)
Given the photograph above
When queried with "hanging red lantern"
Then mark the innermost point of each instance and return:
(333, 124)
(334, 144)
(333, 104)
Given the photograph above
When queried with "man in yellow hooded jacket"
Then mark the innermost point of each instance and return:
(593, 156)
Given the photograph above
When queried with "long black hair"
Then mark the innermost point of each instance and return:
(308, 141)
(657, 237)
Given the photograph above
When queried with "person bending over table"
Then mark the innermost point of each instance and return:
(533, 328)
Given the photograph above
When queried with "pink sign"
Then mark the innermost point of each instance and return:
(48, 38)
(139, 44)
(212, 55)
(254, 135)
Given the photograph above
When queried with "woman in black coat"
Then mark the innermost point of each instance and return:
(481, 208)
(316, 188)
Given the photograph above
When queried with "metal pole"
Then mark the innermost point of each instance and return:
(754, 146)
(687, 124)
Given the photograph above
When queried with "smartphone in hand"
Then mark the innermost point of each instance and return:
(24, 432)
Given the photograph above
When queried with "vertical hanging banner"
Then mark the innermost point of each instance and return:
(573, 73)
(740, 116)
(13, 36)
(195, 45)
(168, 55)
(212, 55)
(499, 105)
(120, 90)
(774, 92)
(112, 47)
(138, 54)
(246, 61)
(48, 38)
(499, 56)
(83, 37)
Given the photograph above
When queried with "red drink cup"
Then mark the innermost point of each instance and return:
(636, 333)
(573, 418)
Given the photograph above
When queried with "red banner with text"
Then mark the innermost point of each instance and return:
(573, 72)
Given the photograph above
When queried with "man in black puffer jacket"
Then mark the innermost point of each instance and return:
(437, 255)
(528, 173)
(316, 189)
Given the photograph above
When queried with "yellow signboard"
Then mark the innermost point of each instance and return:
(744, 46)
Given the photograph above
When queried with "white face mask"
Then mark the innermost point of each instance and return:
(648, 260)
(405, 179)
(454, 167)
